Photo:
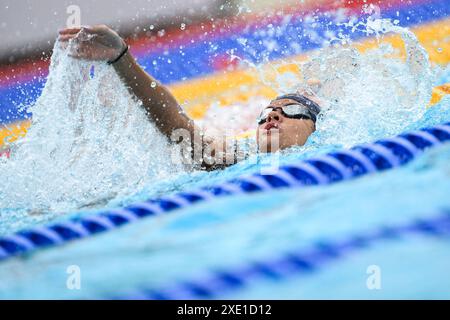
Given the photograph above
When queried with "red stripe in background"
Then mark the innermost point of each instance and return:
(28, 70)
(24, 71)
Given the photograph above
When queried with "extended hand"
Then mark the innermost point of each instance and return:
(93, 43)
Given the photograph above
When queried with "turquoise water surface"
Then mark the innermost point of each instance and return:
(160, 254)
(231, 232)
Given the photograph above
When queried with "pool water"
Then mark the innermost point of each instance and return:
(232, 232)
(235, 231)
(174, 255)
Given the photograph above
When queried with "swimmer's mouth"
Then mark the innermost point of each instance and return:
(270, 126)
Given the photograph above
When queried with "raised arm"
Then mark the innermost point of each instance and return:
(102, 43)
(159, 103)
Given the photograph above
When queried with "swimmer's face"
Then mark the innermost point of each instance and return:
(279, 132)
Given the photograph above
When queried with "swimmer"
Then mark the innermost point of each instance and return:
(287, 121)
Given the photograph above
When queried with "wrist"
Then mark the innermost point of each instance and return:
(124, 63)
(122, 53)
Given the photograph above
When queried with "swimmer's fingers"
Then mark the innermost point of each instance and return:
(80, 52)
(75, 30)
(65, 40)
(68, 31)
(92, 43)
(89, 30)
(85, 51)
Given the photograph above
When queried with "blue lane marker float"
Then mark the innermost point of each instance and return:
(334, 167)
(216, 283)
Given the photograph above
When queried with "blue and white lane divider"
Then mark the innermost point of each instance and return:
(333, 167)
(217, 283)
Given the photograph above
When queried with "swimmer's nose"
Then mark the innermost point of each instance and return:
(274, 116)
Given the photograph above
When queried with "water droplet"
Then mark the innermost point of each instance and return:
(153, 84)
(183, 26)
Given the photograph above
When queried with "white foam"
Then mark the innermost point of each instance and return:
(365, 96)
(89, 142)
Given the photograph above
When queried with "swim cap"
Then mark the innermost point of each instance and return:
(313, 107)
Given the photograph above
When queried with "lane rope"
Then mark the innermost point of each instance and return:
(334, 167)
(305, 261)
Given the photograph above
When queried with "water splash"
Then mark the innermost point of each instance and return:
(365, 95)
(89, 143)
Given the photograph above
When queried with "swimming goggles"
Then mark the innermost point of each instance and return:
(292, 111)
